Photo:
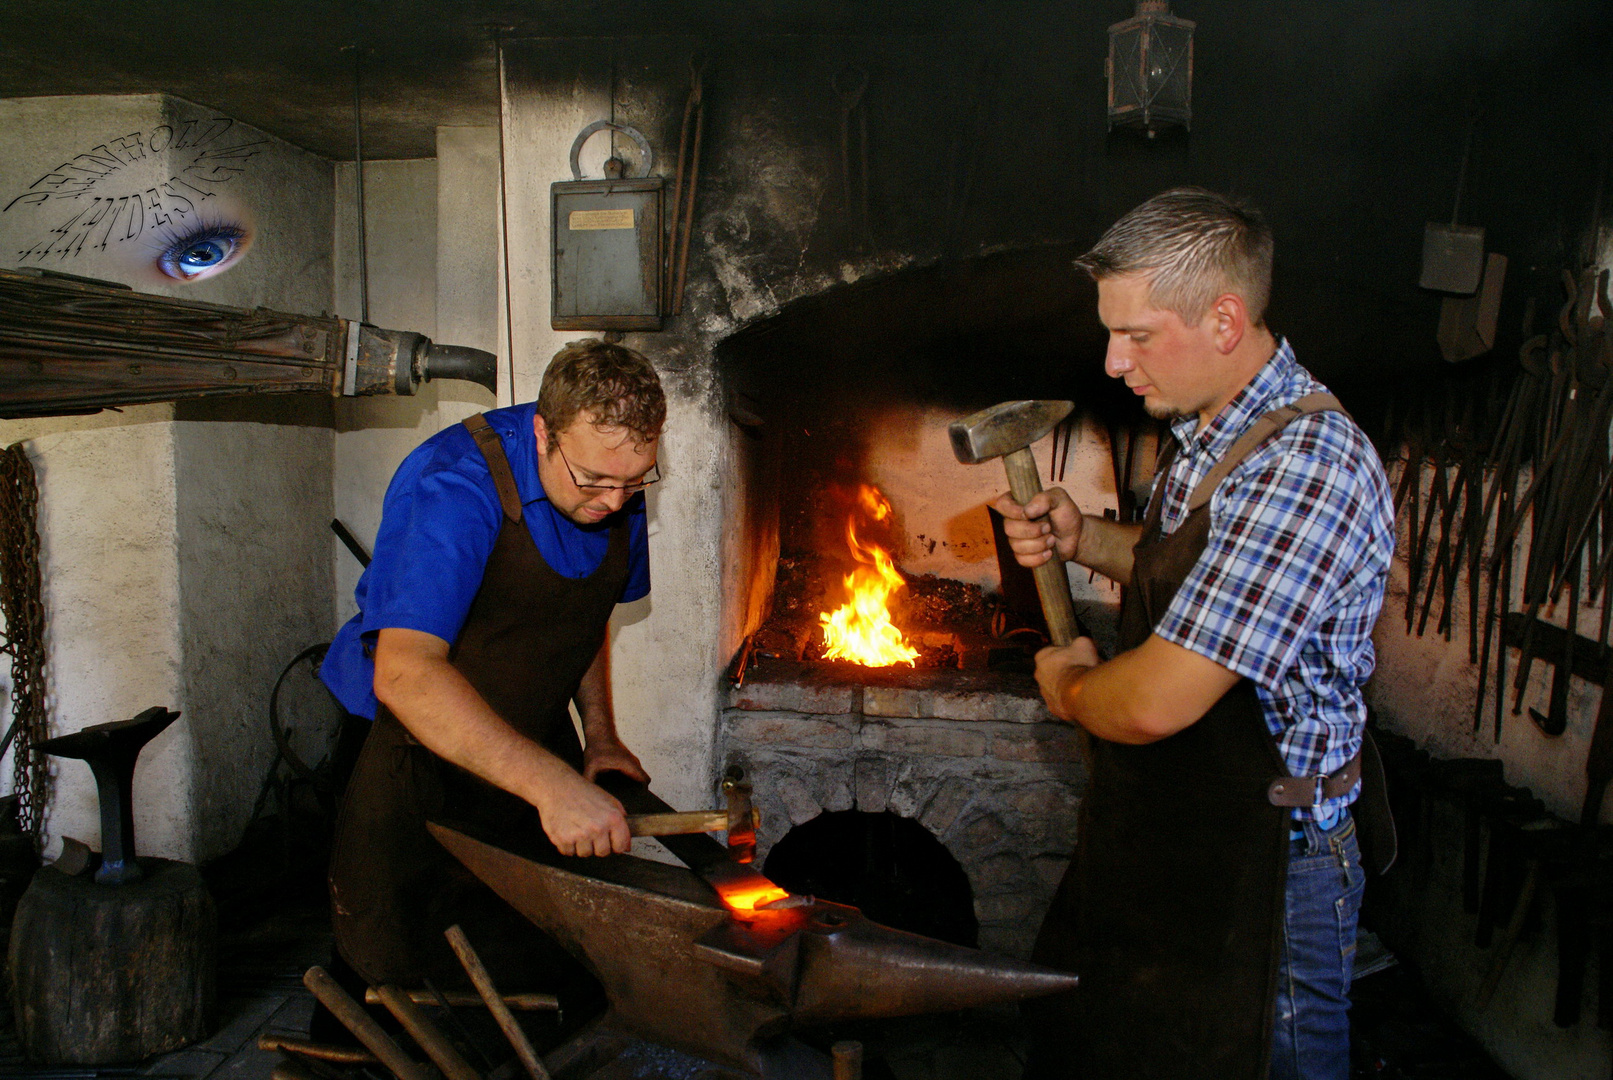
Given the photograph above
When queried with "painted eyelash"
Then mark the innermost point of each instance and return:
(200, 250)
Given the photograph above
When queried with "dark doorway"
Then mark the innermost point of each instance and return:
(888, 866)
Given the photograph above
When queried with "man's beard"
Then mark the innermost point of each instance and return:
(1164, 412)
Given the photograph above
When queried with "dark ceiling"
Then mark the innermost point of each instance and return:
(285, 65)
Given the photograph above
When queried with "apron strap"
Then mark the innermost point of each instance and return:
(498, 464)
(1262, 429)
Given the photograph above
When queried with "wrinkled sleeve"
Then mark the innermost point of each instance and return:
(438, 527)
(1286, 541)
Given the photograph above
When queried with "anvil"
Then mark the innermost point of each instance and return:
(725, 981)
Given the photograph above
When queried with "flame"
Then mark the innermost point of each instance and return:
(861, 628)
(750, 895)
(873, 503)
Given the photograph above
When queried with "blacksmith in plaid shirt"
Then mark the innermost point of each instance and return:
(1286, 586)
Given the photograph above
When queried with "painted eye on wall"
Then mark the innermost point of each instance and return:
(202, 250)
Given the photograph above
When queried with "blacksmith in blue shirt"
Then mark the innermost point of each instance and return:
(1210, 907)
(505, 544)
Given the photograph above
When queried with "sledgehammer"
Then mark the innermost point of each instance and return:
(1007, 431)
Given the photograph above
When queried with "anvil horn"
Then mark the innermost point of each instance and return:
(682, 969)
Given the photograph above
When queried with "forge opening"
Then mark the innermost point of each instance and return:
(851, 391)
(888, 866)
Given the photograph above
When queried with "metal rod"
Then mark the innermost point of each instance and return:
(348, 540)
(504, 214)
(358, 162)
(687, 222)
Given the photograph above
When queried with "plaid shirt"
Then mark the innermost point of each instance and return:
(1292, 577)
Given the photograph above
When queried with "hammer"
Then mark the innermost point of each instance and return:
(740, 820)
(1007, 431)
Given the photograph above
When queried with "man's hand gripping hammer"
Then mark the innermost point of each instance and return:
(739, 821)
(1007, 431)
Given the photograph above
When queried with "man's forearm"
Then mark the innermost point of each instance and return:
(1106, 546)
(594, 699)
(1142, 695)
(440, 708)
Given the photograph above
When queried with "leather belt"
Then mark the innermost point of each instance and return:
(1312, 790)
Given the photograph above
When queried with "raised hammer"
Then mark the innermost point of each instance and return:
(739, 821)
(1007, 431)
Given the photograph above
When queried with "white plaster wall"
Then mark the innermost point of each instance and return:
(253, 505)
(110, 566)
(1425, 688)
(374, 434)
(667, 649)
(155, 521)
(433, 259)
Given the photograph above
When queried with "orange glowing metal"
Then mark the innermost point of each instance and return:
(860, 629)
(750, 895)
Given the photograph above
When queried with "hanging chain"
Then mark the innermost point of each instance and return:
(24, 635)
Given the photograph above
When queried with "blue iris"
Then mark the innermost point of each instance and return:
(201, 251)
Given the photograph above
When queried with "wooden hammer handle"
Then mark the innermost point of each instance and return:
(681, 823)
(495, 1002)
(426, 1034)
(362, 1025)
(1052, 582)
(464, 999)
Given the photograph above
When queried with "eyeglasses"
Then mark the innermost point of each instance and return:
(651, 477)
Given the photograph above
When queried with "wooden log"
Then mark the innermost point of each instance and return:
(113, 973)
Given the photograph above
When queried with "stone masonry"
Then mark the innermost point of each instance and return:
(973, 757)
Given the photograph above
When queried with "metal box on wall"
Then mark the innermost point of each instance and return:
(606, 248)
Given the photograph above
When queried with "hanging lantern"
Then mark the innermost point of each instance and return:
(1150, 69)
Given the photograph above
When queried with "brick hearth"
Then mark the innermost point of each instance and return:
(974, 757)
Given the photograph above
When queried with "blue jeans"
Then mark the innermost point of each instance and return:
(1311, 1040)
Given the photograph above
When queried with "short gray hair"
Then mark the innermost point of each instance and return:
(1194, 245)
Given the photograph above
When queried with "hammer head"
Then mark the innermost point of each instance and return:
(1004, 428)
(741, 821)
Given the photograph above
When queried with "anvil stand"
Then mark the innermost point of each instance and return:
(111, 750)
(119, 967)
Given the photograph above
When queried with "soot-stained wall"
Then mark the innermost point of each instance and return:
(988, 165)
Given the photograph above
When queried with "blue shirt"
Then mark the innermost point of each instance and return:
(439, 521)
(1292, 577)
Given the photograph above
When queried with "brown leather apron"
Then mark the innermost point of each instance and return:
(530, 636)
(1171, 910)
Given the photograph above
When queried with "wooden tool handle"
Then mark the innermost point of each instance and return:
(683, 822)
(362, 1025)
(847, 1060)
(341, 1055)
(464, 999)
(426, 1034)
(495, 1004)
(1052, 582)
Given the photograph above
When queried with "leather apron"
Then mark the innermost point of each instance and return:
(530, 636)
(1171, 909)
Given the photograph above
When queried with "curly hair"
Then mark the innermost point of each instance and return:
(614, 385)
(1195, 245)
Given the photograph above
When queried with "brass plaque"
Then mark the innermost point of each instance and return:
(586, 220)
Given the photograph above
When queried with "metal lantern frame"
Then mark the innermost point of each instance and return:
(1150, 70)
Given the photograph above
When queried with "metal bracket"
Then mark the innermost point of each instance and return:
(350, 365)
(646, 157)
